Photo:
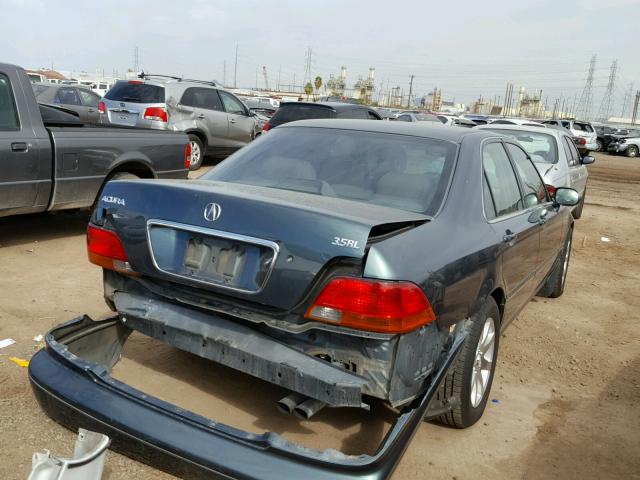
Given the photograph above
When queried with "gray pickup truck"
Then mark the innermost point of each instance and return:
(50, 160)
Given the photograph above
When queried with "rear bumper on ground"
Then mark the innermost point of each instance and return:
(71, 382)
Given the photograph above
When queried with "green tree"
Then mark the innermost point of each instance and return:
(318, 83)
(308, 89)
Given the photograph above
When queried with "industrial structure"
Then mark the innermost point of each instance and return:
(335, 86)
(364, 87)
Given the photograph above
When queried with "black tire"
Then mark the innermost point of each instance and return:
(553, 287)
(114, 176)
(457, 384)
(197, 152)
(599, 146)
(631, 151)
(577, 212)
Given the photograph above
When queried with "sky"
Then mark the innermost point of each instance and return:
(466, 48)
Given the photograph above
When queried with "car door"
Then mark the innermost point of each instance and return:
(22, 176)
(69, 97)
(209, 116)
(90, 101)
(512, 223)
(577, 171)
(541, 211)
(241, 124)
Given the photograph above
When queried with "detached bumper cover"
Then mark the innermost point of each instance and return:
(79, 392)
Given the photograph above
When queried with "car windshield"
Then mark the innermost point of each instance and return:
(397, 171)
(136, 92)
(541, 147)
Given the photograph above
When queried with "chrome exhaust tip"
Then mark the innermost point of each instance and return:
(308, 408)
(289, 403)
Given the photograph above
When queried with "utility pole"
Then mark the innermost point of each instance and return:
(279, 72)
(256, 78)
(410, 90)
(635, 108)
(266, 78)
(235, 70)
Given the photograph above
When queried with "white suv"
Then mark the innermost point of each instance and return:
(578, 130)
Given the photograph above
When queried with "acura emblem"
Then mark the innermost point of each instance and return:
(212, 212)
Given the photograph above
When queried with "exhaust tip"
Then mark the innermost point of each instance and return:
(308, 408)
(289, 403)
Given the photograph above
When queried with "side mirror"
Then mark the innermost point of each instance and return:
(566, 196)
(588, 160)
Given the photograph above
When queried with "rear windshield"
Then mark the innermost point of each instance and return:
(583, 127)
(292, 112)
(397, 171)
(541, 147)
(136, 93)
(427, 118)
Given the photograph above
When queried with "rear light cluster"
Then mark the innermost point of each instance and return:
(551, 189)
(105, 249)
(372, 305)
(581, 141)
(187, 156)
(266, 127)
(102, 108)
(158, 114)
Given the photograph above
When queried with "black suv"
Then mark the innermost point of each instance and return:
(292, 111)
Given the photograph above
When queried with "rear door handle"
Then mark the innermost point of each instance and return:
(19, 147)
(202, 115)
(509, 236)
(233, 120)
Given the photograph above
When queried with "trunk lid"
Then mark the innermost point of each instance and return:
(255, 243)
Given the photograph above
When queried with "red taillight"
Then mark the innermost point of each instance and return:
(105, 249)
(102, 108)
(266, 127)
(581, 141)
(187, 156)
(156, 113)
(135, 82)
(373, 305)
(551, 189)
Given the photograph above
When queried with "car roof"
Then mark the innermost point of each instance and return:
(428, 130)
(335, 105)
(521, 128)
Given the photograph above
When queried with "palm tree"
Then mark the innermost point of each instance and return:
(318, 83)
(308, 89)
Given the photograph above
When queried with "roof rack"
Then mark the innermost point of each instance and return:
(213, 83)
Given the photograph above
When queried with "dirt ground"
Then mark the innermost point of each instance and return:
(565, 401)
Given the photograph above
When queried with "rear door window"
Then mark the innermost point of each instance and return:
(232, 104)
(67, 96)
(573, 157)
(8, 112)
(206, 98)
(136, 92)
(403, 118)
(355, 113)
(533, 187)
(292, 112)
(502, 182)
(89, 99)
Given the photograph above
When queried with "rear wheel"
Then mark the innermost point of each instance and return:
(553, 286)
(197, 152)
(632, 151)
(598, 146)
(469, 379)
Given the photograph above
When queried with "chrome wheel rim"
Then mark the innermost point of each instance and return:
(483, 362)
(195, 153)
(565, 263)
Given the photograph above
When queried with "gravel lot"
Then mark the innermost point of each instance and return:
(566, 394)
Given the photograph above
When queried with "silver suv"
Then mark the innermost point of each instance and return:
(216, 121)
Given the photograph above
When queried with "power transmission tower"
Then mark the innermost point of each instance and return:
(586, 99)
(627, 98)
(136, 60)
(607, 101)
(307, 66)
(266, 78)
(634, 116)
(410, 90)
(235, 69)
